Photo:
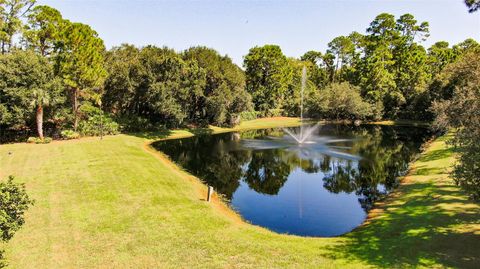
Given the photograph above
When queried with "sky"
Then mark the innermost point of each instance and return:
(233, 27)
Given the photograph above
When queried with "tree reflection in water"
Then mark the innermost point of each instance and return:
(323, 187)
(224, 160)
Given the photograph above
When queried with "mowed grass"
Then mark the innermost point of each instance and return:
(115, 203)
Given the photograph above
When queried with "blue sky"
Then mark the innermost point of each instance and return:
(233, 27)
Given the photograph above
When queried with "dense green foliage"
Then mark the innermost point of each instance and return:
(80, 64)
(267, 74)
(166, 88)
(223, 97)
(14, 201)
(11, 12)
(462, 112)
(56, 64)
(339, 101)
(27, 85)
(394, 72)
(153, 215)
(384, 73)
(56, 75)
(69, 134)
(95, 122)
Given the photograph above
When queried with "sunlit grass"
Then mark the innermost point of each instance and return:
(112, 203)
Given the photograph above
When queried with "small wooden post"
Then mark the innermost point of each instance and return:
(209, 194)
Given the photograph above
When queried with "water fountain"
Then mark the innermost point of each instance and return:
(308, 180)
(302, 141)
(305, 131)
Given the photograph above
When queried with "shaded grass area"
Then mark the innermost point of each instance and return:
(111, 203)
(428, 222)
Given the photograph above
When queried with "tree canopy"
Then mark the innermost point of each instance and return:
(60, 71)
(462, 112)
(267, 75)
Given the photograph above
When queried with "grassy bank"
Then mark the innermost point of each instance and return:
(113, 203)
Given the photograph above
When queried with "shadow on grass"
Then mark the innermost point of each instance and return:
(430, 225)
(171, 134)
(153, 135)
(425, 171)
(437, 155)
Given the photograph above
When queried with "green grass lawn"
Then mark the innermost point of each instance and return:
(113, 203)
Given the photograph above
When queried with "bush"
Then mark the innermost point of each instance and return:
(248, 115)
(69, 134)
(466, 172)
(37, 140)
(14, 201)
(339, 101)
(274, 113)
(461, 113)
(98, 125)
(95, 122)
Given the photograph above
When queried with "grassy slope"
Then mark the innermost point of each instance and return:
(113, 203)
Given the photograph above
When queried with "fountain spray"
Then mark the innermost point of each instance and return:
(304, 133)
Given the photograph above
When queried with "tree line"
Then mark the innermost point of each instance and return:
(57, 75)
(384, 74)
(58, 79)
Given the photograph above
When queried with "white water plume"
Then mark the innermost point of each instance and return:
(305, 132)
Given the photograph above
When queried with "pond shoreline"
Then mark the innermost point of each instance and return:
(222, 205)
(96, 200)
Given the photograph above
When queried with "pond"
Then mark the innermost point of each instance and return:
(323, 187)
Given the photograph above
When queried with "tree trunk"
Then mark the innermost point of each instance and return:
(75, 109)
(40, 121)
(336, 68)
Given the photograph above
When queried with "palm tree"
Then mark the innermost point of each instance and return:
(41, 98)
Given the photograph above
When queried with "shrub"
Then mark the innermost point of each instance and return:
(274, 113)
(339, 101)
(461, 113)
(69, 134)
(37, 140)
(97, 125)
(95, 122)
(248, 115)
(14, 201)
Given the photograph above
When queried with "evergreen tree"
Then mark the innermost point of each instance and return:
(80, 63)
(43, 30)
(11, 14)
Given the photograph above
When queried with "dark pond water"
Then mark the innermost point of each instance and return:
(323, 187)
